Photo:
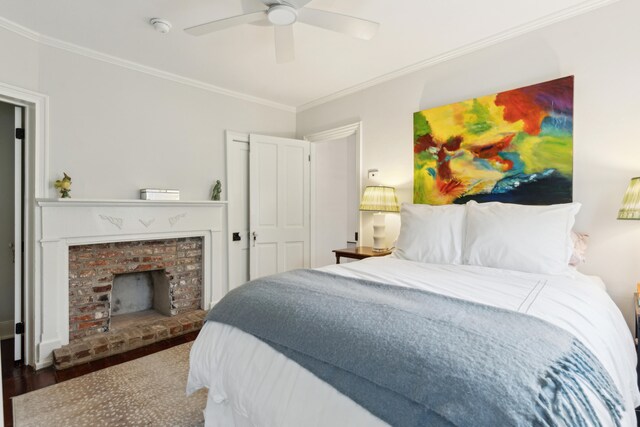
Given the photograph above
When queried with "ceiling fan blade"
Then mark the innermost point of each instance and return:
(285, 51)
(356, 27)
(225, 23)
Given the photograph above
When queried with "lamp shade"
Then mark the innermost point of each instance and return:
(631, 202)
(380, 199)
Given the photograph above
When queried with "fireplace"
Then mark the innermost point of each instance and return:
(69, 309)
(117, 283)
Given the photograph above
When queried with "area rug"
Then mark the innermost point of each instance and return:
(149, 391)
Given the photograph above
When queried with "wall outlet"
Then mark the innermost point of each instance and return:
(372, 173)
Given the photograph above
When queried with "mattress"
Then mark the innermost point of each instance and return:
(251, 384)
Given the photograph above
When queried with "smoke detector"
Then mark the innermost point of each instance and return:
(160, 25)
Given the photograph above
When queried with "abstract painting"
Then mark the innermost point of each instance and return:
(514, 147)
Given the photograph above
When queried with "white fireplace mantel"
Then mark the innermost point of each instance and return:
(61, 223)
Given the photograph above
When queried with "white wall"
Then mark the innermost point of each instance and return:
(7, 142)
(601, 49)
(116, 130)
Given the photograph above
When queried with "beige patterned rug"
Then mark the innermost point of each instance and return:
(149, 391)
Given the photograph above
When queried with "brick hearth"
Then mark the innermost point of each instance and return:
(114, 342)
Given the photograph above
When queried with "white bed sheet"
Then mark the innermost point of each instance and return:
(250, 384)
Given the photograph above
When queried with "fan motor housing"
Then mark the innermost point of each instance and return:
(282, 14)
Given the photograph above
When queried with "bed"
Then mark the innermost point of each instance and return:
(250, 383)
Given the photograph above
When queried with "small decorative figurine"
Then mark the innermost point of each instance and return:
(217, 189)
(64, 186)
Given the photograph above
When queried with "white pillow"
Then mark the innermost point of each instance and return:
(534, 239)
(431, 234)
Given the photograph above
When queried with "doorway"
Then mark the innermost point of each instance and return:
(336, 198)
(335, 191)
(12, 224)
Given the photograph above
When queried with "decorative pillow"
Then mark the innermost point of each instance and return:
(534, 239)
(578, 248)
(431, 234)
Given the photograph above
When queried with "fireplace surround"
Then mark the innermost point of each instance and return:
(62, 225)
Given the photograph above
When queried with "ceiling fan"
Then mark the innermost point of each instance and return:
(282, 15)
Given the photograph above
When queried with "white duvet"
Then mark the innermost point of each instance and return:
(250, 384)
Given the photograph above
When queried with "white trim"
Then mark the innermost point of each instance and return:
(328, 135)
(93, 54)
(36, 173)
(11, 101)
(336, 133)
(463, 50)
(6, 329)
(124, 202)
(18, 225)
(24, 97)
(230, 138)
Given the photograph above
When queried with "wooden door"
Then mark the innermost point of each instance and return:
(279, 204)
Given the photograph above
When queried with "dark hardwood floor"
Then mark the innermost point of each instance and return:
(17, 380)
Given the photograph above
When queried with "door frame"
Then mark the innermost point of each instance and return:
(230, 138)
(36, 173)
(329, 135)
(17, 204)
(18, 229)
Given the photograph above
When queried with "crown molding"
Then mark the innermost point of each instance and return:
(337, 133)
(564, 14)
(90, 53)
(466, 49)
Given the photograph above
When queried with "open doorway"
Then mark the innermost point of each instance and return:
(335, 192)
(11, 224)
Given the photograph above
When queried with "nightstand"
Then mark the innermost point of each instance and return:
(358, 252)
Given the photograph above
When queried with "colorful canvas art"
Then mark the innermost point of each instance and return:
(513, 147)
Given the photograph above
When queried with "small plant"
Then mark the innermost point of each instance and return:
(64, 186)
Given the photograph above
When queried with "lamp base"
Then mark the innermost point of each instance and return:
(379, 234)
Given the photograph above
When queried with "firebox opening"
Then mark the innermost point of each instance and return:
(139, 295)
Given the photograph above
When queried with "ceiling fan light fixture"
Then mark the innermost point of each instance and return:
(282, 14)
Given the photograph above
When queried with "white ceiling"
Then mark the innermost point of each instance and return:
(242, 59)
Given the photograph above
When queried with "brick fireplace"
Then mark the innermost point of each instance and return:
(86, 245)
(93, 268)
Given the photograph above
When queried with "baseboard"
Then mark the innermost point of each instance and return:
(6, 329)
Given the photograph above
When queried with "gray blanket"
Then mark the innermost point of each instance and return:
(416, 358)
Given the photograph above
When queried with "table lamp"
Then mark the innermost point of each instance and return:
(379, 199)
(631, 201)
(630, 209)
